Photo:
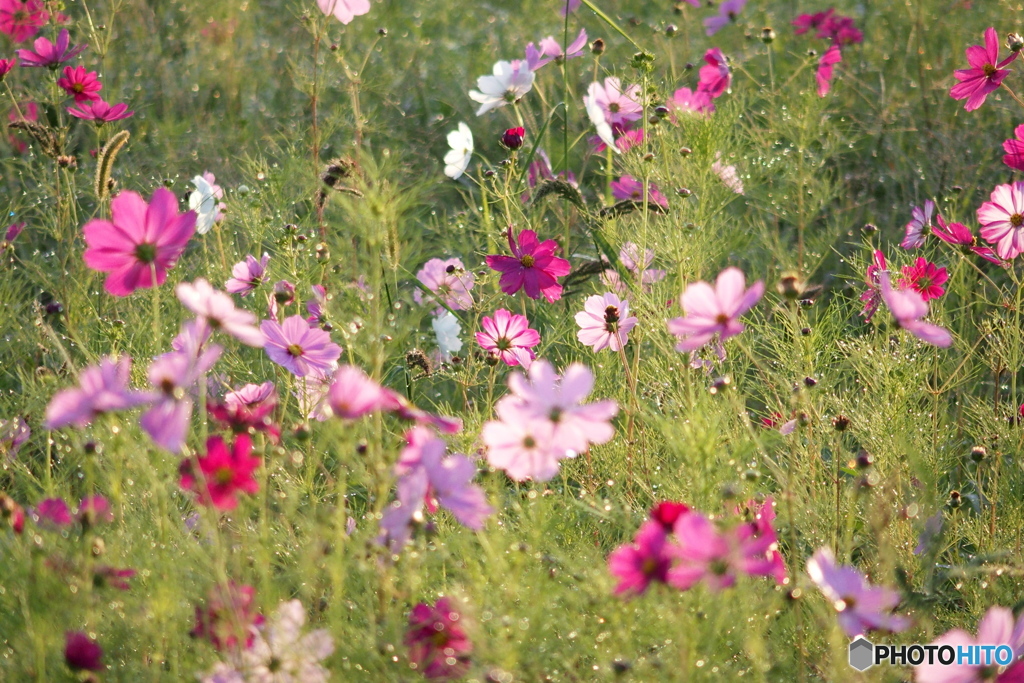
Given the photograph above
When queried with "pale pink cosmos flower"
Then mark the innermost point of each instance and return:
(860, 606)
(532, 267)
(715, 75)
(504, 332)
(604, 322)
(727, 173)
(449, 280)
(619, 106)
(985, 75)
(960, 235)
(102, 388)
(642, 562)
(49, 54)
(997, 627)
(918, 228)
(711, 311)
(219, 312)
(728, 11)
(139, 242)
(353, 394)
(344, 10)
(247, 275)
(690, 101)
(1002, 220)
(523, 446)
(550, 50)
(316, 308)
(908, 308)
(173, 375)
(826, 68)
(299, 348)
(631, 258)
(510, 82)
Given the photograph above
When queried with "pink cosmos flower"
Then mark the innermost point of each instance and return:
(353, 394)
(504, 332)
(438, 646)
(316, 308)
(841, 31)
(1014, 148)
(522, 445)
(219, 312)
(959, 234)
(94, 509)
(53, 512)
(925, 278)
(5, 67)
(299, 348)
(13, 230)
(917, 229)
(82, 653)
(99, 111)
(806, 22)
(14, 433)
(909, 307)
(102, 388)
(50, 55)
(540, 170)
(628, 187)
(604, 322)
(984, 76)
(229, 618)
(997, 628)
(715, 75)
(710, 311)
(449, 280)
(551, 51)
(872, 298)
(22, 19)
(826, 66)
(643, 561)
(80, 84)
(861, 607)
(727, 13)
(719, 557)
(1002, 220)
(105, 575)
(247, 275)
(619, 106)
(222, 473)
(570, 6)
(727, 173)
(141, 240)
(693, 101)
(630, 257)
(625, 138)
(174, 374)
(533, 266)
(249, 408)
(344, 10)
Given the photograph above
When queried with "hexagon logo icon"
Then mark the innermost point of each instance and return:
(862, 653)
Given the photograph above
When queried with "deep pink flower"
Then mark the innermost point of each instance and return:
(94, 509)
(228, 618)
(841, 31)
(344, 10)
(505, 332)
(551, 51)
(604, 322)
(533, 266)
(222, 473)
(102, 388)
(13, 230)
(997, 627)
(628, 187)
(715, 75)
(438, 646)
(806, 22)
(909, 307)
(247, 275)
(50, 55)
(299, 348)
(5, 67)
(826, 66)
(643, 561)
(82, 653)
(917, 229)
(139, 241)
(872, 298)
(718, 557)
(1002, 220)
(251, 407)
(22, 19)
(984, 76)
(99, 111)
(727, 13)
(353, 394)
(219, 312)
(625, 138)
(710, 311)
(1014, 148)
(861, 607)
(959, 234)
(80, 84)
(694, 101)
(449, 280)
(53, 512)
(619, 106)
(925, 278)
(105, 575)
(667, 512)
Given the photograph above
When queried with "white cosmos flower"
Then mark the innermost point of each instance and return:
(596, 114)
(204, 202)
(511, 80)
(447, 329)
(457, 158)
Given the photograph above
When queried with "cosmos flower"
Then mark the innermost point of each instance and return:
(247, 275)
(997, 627)
(908, 308)
(316, 308)
(50, 55)
(173, 375)
(344, 10)
(100, 112)
(693, 101)
(1002, 220)
(860, 606)
(727, 173)
(511, 81)
(223, 474)
(604, 322)
(102, 388)
(918, 228)
(985, 74)
(533, 267)
(299, 348)
(826, 67)
(204, 202)
(250, 407)
(82, 653)
(925, 278)
(704, 553)
(711, 311)
(551, 51)
(218, 311)
(353, 394)
(1014, 148)
(960, 235)
(805, 22)
(598, 117)
(438, 645)
(228, 617)
(504, 332)
(52, 512)
(447, 330)
(449, 280)
(642, 562)
(629, 188)
(872, 298)
(636, 263)
(715, 76)
(522, 445)
(281, 653)
(22, 19)
(457, 159)
(80, 84)
(619, 106)
(727, 13)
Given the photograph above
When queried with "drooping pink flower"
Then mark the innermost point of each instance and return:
(714, 310)
(925, 278)
(715, 75)
(533, 267)
(344, 10)
(960, 235)
(102, 388)
(82, 653)
(996, 628)
(628, 187)
(918, 228)
(805, 22)
(642, 562)
(604, 322)
(141, 240)
(985, 74)
(80, 84)
(908, 308)
(619, 106)
(860, 606)
(872, 298)
(247, 275)
(438, 645)
(1002, 220)
(299, 348)
(826, 67)
(50, 55)
(505, 332)
(53, 512)
(228, 617)
(449, 280)
(704, 553)
(728, 11)
(1014, 148)
(353, 394)
(223, 474)
(100, 112)
(550, 50)
(219, 312)
(692, 101)
(22, 19)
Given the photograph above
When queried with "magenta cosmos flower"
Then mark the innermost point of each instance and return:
(918, 228)
(22, 19)
(438, 646)
(642, 562)
(506, 332)
(229, 617)
(449, 280)
(861, 607)
(82, 653)
(1002, 220)
(960, 235)
(628, 187)
(998, 628)
(102, 388)
(223, 474)
(344, 10)
(1014, 149)
(50, 55)
(805, 22)
(826, 68)
(533, 266)
(619, 106)
(299, 348)
(715, 76)
(219, 312)
(99, 111)
(925, 278)
(984, 76)
(139, 242)
(247, 275)
(604, 322)
(710, 311)
(81, 84)
(909, 307)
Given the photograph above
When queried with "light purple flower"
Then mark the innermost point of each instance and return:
(102, 388)
(449, 280)
(317, 307)
(727, 13)
(219, 312)
(247, 275)
(909, 307)
(710, 311)
(628, 187)
(299, 348)
(551, 51)
(917, 228)
(861, 607)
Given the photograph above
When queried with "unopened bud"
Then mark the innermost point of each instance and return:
(671, 30)
(978, 453)
(1015, 42)
(790, 286)
(512, 139)
(840, 423)
(767, 35)
(597, 47)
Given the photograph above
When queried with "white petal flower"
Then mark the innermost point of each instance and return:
(457, 159)
(596, 114)
(447, 329)
(511, 80)
(204, 202)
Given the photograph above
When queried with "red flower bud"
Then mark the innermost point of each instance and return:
(513, 138)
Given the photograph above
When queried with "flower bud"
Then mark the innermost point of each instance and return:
(284, 292)
(978, 453)
(840, 423)
(790, 286)
(685, 151)
(684, 192)
(597, 47)
(767, 35)
(810, 382)
(1015, 42)
(661, 111)
(955, 499)
(513, 138)
(671, 30)
(864, 459)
